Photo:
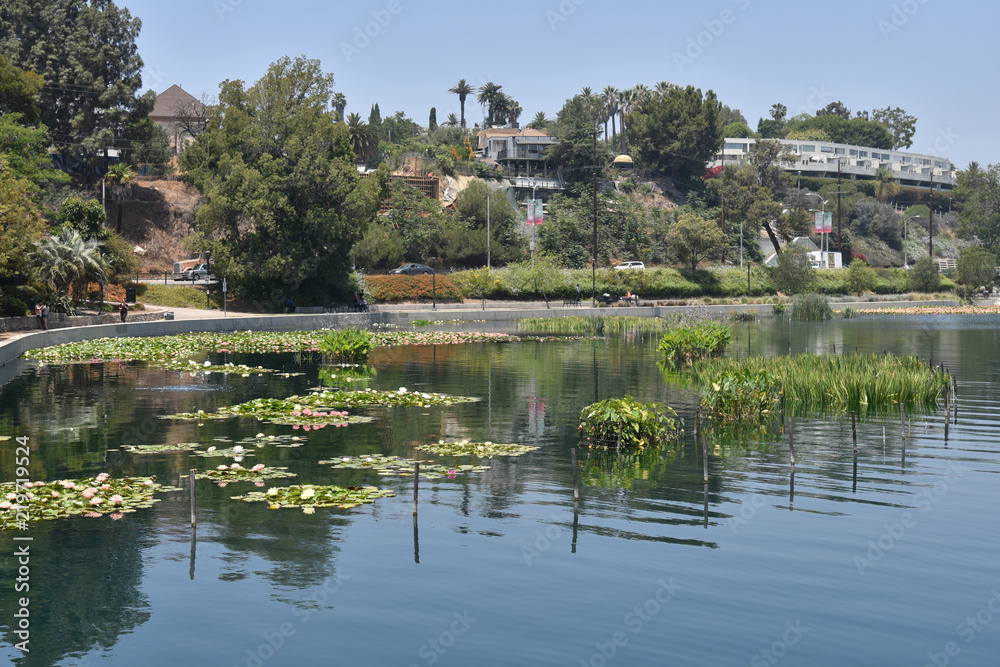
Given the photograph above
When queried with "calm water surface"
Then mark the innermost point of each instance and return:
(896, 563)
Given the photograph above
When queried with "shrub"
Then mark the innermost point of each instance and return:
(394, 288)
(860, 277)
(779, 308)
(793, 274)
(628, 422)
(684, 344)
(811, 307)
(350, 345)
(742, 395)
(849, 313)
(924, 276)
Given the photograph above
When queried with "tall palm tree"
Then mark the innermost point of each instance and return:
(68, 260)
(119, 179)
(627, 101)
(362, 137)
(452, 121)
(610, 98)
(885, 184)
(501, 108)
(642, 95)
(489, 92)
(339, 103)
(514, 111)
(778, 111)
(664, 88)
(462, 89)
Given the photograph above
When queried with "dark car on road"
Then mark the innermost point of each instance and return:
(412, 270)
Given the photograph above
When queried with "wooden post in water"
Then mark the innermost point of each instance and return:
(902, 421)
(791, 444)
(834, 349)
(416, 485)
(704, 457)
(854, 431)
(954, 388)
(194, 517)
(576, 479)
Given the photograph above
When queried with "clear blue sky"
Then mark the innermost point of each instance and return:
(937, 60)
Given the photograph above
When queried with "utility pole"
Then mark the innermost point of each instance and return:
(930, 223)
(724, 227)
(593, 268)
(839, 237)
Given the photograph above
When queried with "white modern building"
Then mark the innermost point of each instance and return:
(823, 158)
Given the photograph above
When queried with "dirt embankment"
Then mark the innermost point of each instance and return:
(159, 217)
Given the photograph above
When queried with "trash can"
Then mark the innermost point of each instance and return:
(169, 315)
(130, 294)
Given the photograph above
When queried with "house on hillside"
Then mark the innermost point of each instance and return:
(520, 151)
(180, 114)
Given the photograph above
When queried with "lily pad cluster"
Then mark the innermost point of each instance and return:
(481, 449)
(309, 496)
(378, 397)
(397, 466)
(90, 496)
(277, 411)
(261, 440)
(236, 452)
(161, 449)
(234, 472)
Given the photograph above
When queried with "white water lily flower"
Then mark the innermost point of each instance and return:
(308, 493)
(309, 509)
(260, 435)
(207, 364)
(237, 448)
(402, 390)
(346, 459)
(272, 491)
(237, 458)
(211, 449)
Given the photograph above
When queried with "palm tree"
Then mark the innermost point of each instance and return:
(68, 260)
(885, 184)
(627, 102)
(610, 98)
(539, 121)
(514, 112)
(119, 179)
(778, 111)
(452, 120)
(489, 92)
(462, 89)
(339, 103)
(361, 136)
(642, 95)
(664, 88)
(501, 108)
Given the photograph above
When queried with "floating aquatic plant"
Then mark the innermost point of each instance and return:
(90, 496)
(481, 449)
(309, 496)
(236, 452)
(261, 440)
(626, 422)
(389, 466)
(161, 449)
(234, 472)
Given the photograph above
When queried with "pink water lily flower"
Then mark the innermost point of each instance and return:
(11, 496)
(235, 466)
(117, 499)
(222, 467)
(95, 501)
(117, 515)
(89, 492)
(39, 483)
(259, 466)
(106, 487)
(55, 494)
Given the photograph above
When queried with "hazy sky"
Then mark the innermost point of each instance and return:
(937, 60)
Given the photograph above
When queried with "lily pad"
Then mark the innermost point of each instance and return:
(481, 449)
(377, 397)
(236, 452)
(261, 440)
(309, 496)
(397, 466)
(237, 473)
(161, 449)
(90, 496)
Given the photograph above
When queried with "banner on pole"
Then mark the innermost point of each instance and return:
(531, 211)
(828, 222)
(538, 211)
(819, 222)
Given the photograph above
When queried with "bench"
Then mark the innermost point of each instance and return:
(345, 308)
(572, 302)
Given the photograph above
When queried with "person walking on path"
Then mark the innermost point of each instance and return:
(123, 310)
(45, 316)
(578, 293)
(38, 314)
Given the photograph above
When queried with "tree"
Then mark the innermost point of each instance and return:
(577, 125)
(835, 109)
(771, 129)
(924, 277)
(397, 128)
(885, 184)
(844, 130)
(119, 181)
(976, 268)
(151, 153)
(470, 207)
(339, 103)
(609, 97)
(679, 133)
(489, 93)
(452, 120)
(19, 92)
(779, 111)
(283, 203)
(977, 194)
(793, 273)
(809, 134)
(539, 122)
(68, 261)
(375, 116)
(21, 221)
(861, 278)
(737, 131)
(87, 55)
(900, 125)
(693, 238)
(362, 137)
(463, 90)
(432, 120)
(25, 152)
(87, 216)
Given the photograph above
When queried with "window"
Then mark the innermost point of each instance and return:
(885, 156)
(808, 149)
(729, 145)
(926, 162)
(906, 160)
(862, 153)
(826, 149)
(853, 153)
(937, 163)
(895, 158)
(838, 151)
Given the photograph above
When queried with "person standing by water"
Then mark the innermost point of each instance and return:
(45, 316)
(123, 310)
(578, 292)
(38, 314)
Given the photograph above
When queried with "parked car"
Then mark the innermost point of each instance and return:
(625, 266)
(412, 270)
(199, 272)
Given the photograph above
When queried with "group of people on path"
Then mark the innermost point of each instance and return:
(42, 314)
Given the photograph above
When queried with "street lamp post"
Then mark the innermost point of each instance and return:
(822, 234)
(434, 302)
(531, 207)
(488, 195)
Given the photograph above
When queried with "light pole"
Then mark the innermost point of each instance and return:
(488, 195)
(531, 207)
(825, 261)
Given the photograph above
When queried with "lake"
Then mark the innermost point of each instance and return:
(894, 560)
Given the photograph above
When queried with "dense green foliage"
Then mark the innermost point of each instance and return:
(811, 306)
(697, 340)
(742, 395)
(794, 273)
(677, 133)
(350, 345)
(924, 277)
(626, 422)
(282, 201)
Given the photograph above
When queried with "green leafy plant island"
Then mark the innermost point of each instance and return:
(626, 422)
